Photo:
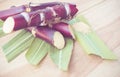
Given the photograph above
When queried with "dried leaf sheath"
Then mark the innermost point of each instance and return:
(17, 45)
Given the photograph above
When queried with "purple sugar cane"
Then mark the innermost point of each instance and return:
(27, 8)
(38, 18)
(49, 35)
(64, 28)
(12, 11)
(53, 35)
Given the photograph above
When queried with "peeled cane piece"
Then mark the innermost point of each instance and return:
(64, 28)
(38, 18)
(49, 35)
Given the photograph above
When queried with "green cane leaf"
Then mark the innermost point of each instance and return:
(37, 51)
(1, 30)
(79, 18)
(90, 42)
(17, 45)
(9, 43)
(1, 22)
(62, 57)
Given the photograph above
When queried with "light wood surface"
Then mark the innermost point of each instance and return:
(103, 15)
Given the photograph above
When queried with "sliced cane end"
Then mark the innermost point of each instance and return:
(59, 41)
(8, 25)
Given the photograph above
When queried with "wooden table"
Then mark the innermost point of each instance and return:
(103, 15)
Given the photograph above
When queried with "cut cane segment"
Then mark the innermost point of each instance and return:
(49, 35)
(32, 7)
(14, 23)
(25, 8)
(37, 18)
(64, 28)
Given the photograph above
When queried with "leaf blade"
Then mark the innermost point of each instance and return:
(14, 39)
(90, 42)
(17, 45)
(37, 51)
(62, 57)
(1, 30)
